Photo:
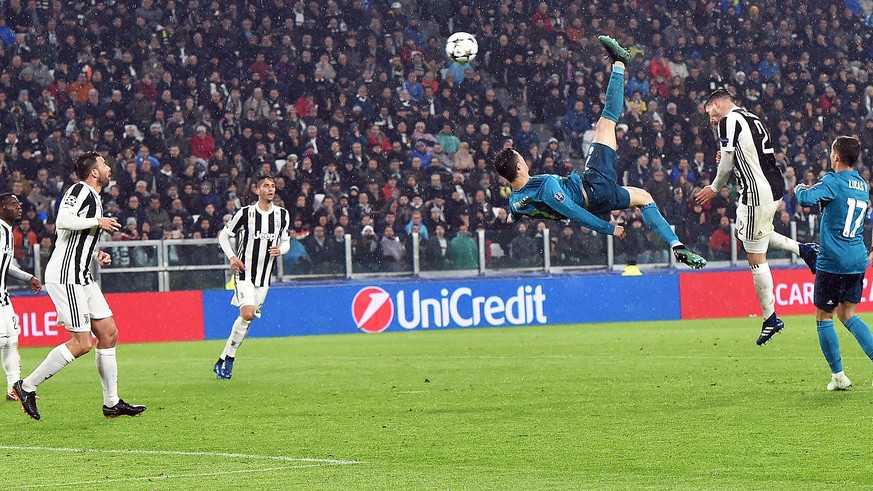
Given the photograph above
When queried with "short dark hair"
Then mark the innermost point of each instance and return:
(505, 164)
(264, 177)
(85, 163)
(848, 148)
(719, 94)
(5, 196)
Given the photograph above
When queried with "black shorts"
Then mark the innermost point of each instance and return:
(601, 181)
(832, 289)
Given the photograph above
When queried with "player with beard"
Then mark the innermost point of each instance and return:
(79, 302)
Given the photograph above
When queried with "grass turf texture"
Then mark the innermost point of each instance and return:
(656, 405)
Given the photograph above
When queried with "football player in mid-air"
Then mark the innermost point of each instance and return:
(592, 190)
(842, 261)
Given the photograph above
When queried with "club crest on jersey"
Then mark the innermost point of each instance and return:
(559, 197)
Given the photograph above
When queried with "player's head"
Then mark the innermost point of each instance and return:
(91, 165)
(845, 151)
(266, 188)
(10, 208)
(719, 102)
(509, 164)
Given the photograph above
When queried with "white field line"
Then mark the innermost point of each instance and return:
(168, 476)
(190, 454)
(307, 462)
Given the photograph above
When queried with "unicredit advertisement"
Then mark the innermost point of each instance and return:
(427, 305)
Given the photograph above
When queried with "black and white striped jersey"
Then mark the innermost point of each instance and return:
(74, 249)
(256, 232)
(758, 176)
(8, 246)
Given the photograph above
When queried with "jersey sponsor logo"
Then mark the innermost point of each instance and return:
(264, 235)
(372, 309)
(559, 197)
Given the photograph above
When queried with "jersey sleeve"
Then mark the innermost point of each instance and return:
(73, 203)
(821, 191)
(553, 195)
(236, 222)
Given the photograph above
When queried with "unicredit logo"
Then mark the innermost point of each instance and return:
(372, 309)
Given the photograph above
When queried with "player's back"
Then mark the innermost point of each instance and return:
(529, 199)
(842, 224)
(758, 176)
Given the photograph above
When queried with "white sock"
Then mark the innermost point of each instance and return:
(54, 362)
(783, 243)
(11, 360)
(237, 334)
(764, 288)
(108, 370)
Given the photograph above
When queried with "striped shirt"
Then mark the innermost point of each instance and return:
(74, 249)
(6, 242)
(256, 231)
(754, 161)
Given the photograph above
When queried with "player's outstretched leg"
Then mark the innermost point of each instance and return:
(808, 252)
(654, 220)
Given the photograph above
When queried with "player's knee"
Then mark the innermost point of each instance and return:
(247, 315)
(79, 347)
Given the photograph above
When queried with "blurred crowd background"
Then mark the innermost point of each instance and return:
(371, 131)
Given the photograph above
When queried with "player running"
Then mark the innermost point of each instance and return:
(596, 191)
(10, 212)
(747, 152)
(843, 260)
(78, 300)
(263, 236)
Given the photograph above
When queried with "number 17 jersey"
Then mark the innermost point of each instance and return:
(844, 200)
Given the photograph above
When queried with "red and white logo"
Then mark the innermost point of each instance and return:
(372, 309)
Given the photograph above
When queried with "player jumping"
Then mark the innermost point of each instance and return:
(262, 236)
(747, 151)
(579, 197)
(842, 262)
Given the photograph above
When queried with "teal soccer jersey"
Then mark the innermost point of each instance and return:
(844, 201)
(557, 198)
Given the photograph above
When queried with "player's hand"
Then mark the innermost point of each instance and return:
(35, 284)
(718, 157)
(705, 195)
(799, 187)
(104, 259)
(274, 251)
(619, 232)
(108, 224)
(236, 265)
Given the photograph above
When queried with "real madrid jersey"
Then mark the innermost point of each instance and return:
(557, 198)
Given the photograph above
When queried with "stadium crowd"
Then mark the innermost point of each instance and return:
(371, 131)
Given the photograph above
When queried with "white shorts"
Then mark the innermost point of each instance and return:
(78, 304)
(755, 224)
(9, 326)
(246, 293)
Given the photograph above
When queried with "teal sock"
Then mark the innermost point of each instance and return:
(830, 345)
(859, 329)
(614, 105)
(655, 221)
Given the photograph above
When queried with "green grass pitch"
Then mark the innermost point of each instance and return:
(653, 405)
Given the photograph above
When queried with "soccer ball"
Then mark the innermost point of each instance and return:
(462, 47)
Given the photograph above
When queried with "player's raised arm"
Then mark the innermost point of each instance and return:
(554, 196)
(73, 203)
(810, 195)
